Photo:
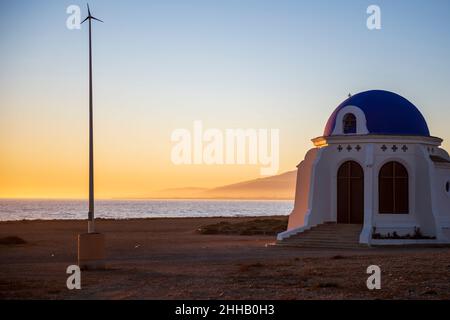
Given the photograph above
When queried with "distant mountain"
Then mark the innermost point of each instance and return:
(275, 187)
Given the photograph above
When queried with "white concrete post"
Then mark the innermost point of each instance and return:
(366, 233)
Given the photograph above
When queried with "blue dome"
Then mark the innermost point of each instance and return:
(386, 113)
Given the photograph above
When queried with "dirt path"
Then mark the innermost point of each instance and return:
(167, 259)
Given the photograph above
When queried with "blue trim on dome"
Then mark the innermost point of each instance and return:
(386, 113)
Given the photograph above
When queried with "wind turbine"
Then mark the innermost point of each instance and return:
(91, 226)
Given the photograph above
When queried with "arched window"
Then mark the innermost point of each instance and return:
(393, 192)
(349, 124)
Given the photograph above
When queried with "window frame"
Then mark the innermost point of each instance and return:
(352, 128)
(393, 189)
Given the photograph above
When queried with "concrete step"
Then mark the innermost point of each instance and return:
(328, 235)
(337, 229)
(322, 246)
(326, 240)
(329, 232)
(303, 240)
(323, 238)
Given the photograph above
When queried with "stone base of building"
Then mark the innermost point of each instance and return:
(91, 251)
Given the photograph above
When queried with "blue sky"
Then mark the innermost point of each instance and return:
(159, 65)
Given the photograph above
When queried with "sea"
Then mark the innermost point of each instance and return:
(13, 209)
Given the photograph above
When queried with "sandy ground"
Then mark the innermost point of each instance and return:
(167, 259)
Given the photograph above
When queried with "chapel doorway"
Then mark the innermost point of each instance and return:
(350, 193)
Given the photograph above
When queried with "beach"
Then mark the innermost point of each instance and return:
(168, 259)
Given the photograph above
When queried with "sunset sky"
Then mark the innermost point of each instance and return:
(160, 65)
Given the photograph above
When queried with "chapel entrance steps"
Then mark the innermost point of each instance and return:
(327, 235)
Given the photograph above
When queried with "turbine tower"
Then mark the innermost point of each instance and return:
(91, 226)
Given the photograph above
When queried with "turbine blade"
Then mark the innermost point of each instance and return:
(89, 11)
(85, 19)
(96, 19)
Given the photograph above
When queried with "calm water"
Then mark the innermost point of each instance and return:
(125, 209)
